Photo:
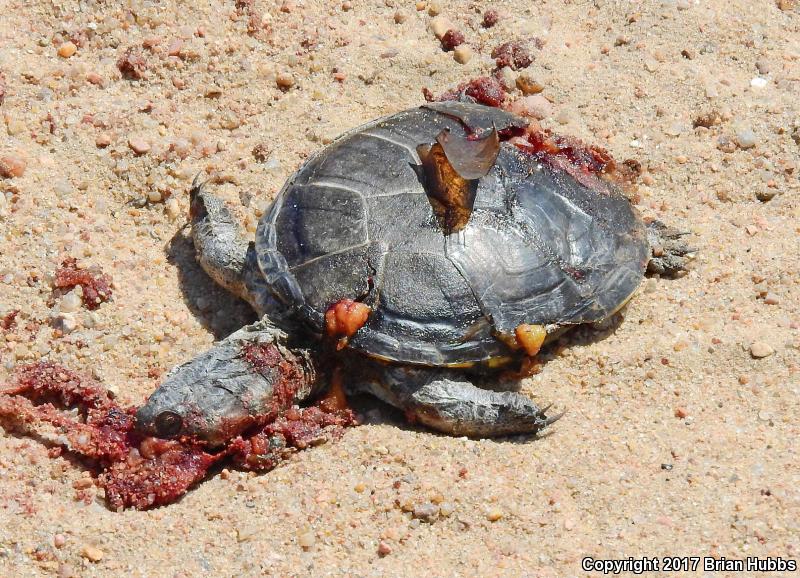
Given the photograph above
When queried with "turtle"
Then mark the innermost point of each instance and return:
(415, 258)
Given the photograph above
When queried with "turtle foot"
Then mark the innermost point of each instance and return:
(670, 253)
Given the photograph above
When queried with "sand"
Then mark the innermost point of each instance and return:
(677, 441)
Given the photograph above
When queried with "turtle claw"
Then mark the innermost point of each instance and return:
(670, 254)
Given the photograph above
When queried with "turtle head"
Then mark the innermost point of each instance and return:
(242, 381)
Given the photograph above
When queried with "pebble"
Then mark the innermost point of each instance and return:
(771, 299)
(400, 17)
(92, 553)
(527, 85)
(563, 117)
(759, 349)
(765, 195)
(426, 512)
(384, 549)
(762, 65)
(12, 166)
(154, 196)
(102, 140)
(172, 208)
(138, 145)
(746, 138)
(494, 514)
(67, 49)
(70, 303)
(284, 81)
(59, 540)
(462, 54)
(536, 106)
(94, 78)
(439, 26)
(681, 412)
(306, 540)
(506, 77)
(758, 82)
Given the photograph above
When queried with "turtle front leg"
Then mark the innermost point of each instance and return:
(220, 247)
(445, 400)
(670, 253)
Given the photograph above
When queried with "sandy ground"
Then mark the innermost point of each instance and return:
(678, 440)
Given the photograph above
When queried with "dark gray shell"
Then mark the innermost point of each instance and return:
(354, 222)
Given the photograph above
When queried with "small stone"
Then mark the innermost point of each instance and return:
(763, 66)
(771, 299)
(681, 412)
(462, 54)
(507, 77)
(70, 303)
(563, 117)
(284, 80)
(400, 17)
(786, 5)
(95, 79)
(384, 549)
(494, 514)
(172, 208)
(426, 512)
(154, 196)
(12, 166)
(746, 138)
(527, 85)
(306, 540)
(102, 140)
(67, 49)
(434, 9)
(725, 144)
(59, 540)
(92, 553)
(536, 106)
(439, 26)
(759, 350)
(766, 195)
(758, 82)
(138, 145)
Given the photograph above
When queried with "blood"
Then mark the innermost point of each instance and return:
(515, 55)
(9, 320)
(96, 285)
(137, 471)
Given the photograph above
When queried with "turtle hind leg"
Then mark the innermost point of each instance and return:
(219, 245)
(670, 253)
(445, 400)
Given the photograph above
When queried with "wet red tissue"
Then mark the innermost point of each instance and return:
(582, 161)
(96, 285)
(137, 471)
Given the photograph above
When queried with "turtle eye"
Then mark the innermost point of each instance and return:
(168, 423)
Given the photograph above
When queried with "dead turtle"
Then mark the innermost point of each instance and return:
(422, 252)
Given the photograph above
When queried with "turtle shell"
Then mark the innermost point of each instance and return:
(355, 222)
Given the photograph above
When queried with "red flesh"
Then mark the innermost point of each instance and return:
(584, 162)
(96, 287)
(143, 472)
